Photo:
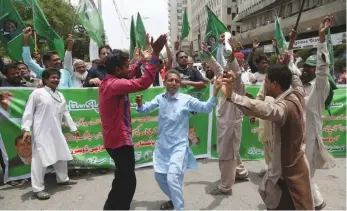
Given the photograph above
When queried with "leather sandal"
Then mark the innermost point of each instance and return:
(42, 195)
(69, 182)
(167, 205)
(218, 191)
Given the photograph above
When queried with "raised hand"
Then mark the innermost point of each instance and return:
(26, 137)
(274, 42)
(5, 98)
(177, 43)
(138, 100)
(326, 24)
(292, 35)
(255, 44)
(70, 42)
(221, 39)
(27, 32)
(204, 47)
(158, 45)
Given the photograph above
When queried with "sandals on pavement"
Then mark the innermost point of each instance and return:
(42, 195)
(218, 191)
(167, 205)
(69, 182)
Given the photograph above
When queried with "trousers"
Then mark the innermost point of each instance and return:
(124, 182)
(171, 185)
(38, 173)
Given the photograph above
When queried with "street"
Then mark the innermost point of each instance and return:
(92, 188)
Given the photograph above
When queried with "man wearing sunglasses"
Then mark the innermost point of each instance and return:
(190, 76)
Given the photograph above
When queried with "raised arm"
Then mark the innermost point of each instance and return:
(147, 107)
(251, 65)
(68, 55)
(201, 107)
(33, 66)
(168, 64)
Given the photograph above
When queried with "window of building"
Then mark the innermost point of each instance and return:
(238, 29)
(229, 27)
(229, 10)
(233, 15)
(233, 33)
(234, 1)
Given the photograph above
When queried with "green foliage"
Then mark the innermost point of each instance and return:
(339, 64)
(61, 16)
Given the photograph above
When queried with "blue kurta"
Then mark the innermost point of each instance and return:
(172, 153)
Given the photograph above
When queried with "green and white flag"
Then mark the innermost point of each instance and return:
(132, 37)
(140, 33)
(281, 40)
(11, 27)
(43, 28)
(91, 20)
(214, 29)
(185, 26)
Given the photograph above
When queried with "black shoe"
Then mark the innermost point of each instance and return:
(167, 205)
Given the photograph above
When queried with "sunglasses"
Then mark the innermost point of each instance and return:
(183, 57)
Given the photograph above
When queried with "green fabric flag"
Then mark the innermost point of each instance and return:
(140, 33)
(214, 29)
(43, 28)
(185, 26)
(132, 37)
(11, 35)
(24, 2)
(281, 40)
(91, 20)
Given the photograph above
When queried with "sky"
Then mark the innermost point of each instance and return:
(155, 10)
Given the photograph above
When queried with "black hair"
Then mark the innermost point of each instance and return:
(104, 46)
(9, 20)
(117, 58)
(48, 55)
(48, 72)
(18, 139)
(7, 67)
(172, 71)
(178, 53)
(260, 58)
(19, 63)
(281, 74)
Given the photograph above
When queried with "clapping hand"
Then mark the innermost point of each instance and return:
(158, 45)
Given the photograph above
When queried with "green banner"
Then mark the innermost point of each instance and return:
(334, 129)
(88, 150)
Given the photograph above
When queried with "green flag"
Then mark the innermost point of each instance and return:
(214, 29)
(185, 26)
(132, 37)
(24, 2)
(281, 40)
(11, 27)
(140, 33)
(43, 28)
(91, 20)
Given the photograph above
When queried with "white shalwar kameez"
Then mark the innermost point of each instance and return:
(43, 113)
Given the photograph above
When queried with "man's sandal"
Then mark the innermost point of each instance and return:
(69, 182)
(42, 195)
(218, 191)
(167, 205)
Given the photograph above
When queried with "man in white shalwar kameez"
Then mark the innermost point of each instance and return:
(43, 117)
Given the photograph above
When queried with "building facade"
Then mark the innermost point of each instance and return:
(225, 10)
(257, 18)
(175, 11)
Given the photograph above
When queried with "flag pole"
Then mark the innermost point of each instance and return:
(75, 18)
(299, 16)
(35, 40)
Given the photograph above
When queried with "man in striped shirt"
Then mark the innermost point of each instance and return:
(114, 106)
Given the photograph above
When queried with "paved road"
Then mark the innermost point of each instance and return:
(92, 189)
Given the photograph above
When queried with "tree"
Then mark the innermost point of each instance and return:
(61, 16)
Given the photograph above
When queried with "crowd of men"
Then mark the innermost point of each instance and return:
(289, 106)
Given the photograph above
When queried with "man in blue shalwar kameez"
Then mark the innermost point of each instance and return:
(172, 155)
